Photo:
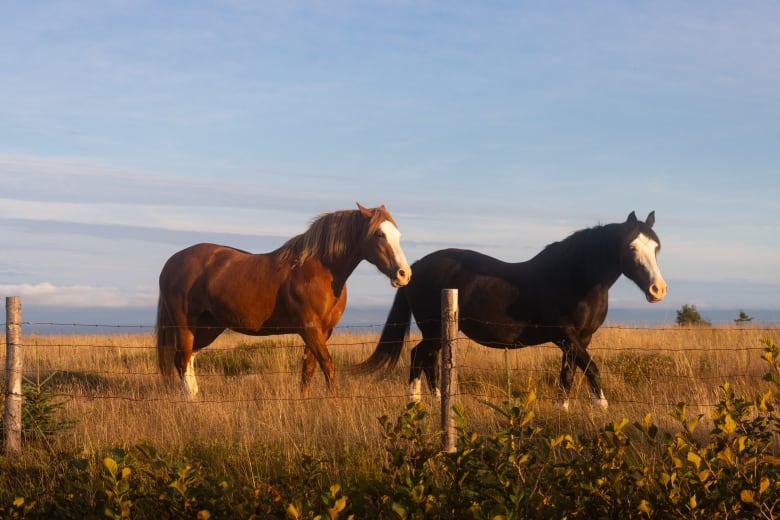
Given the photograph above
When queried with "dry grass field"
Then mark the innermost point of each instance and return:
(250, 402)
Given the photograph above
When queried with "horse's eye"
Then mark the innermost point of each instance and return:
(380, 234)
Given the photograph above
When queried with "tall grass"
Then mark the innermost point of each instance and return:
(249, 414)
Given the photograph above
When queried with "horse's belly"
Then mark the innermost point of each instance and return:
(495, 335)
(267, 331)
(508, 335)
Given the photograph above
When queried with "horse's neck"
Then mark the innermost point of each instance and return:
(340, 263)
(600, 259)
(343, 268)
(340, 266)
(585, 262)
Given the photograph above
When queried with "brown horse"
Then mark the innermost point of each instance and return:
(299, 288)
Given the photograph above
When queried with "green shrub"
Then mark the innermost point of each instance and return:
(637, 369)
(245, 358)
(42, 410)
(235, 362)
(525, 469)
(689, 315)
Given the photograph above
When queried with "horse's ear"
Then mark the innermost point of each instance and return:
(631, 218)
(365, 211)
(650, 219)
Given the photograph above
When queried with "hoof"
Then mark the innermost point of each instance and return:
(414, 392)
(599, 401)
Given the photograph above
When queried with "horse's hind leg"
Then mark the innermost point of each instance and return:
(424, 361)
(567, 376)
(183, 359)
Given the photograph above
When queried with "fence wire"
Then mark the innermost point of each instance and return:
(114, 371)
(120, 343)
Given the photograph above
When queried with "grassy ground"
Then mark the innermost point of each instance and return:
(250, 416)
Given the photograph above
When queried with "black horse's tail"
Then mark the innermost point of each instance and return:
(388, 350)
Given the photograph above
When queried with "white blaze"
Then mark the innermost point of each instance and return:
(393, 237)
(645, 248)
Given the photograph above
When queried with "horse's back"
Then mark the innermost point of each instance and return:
(187, 263)
(483, 282)
(461, 269)
(222, 286)
(200, 265)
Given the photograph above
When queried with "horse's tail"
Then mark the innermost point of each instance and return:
(388, 350)
(166, 340)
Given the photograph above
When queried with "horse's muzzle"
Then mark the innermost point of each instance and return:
(402, 277)
(656, 292)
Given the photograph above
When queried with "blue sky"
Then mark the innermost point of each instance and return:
(130, 129)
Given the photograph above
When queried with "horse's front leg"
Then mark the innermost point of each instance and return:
(591, 372)
(575, 356)
(315, 352)
(307, 372)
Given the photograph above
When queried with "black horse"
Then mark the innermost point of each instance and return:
(558, 296)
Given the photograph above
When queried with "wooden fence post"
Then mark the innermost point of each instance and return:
(12, 415)
(449, 375)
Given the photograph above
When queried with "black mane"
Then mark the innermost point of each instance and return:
(584, 255)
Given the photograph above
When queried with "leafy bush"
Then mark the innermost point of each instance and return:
(42, 410)
(523, 470)
(689, 315)
(235, 362)
(637, 368)
(245, 359)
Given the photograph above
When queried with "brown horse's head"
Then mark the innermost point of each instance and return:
(382, 246)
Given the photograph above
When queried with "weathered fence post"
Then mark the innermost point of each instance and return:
(449, 376)
(12, 415)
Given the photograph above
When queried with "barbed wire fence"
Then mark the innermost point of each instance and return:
(135, 369)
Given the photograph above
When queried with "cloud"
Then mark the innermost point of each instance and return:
(78, 295)
(256, 242)
(76, 180)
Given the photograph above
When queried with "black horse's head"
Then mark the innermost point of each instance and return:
(638, 257)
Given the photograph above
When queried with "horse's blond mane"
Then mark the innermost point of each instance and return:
(330, 235)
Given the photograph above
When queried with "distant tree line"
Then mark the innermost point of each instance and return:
(689, 315)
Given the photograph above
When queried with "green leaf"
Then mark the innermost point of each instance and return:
(694, 458)
(399, 510)
(338, 507)
(111, 465)
(729, 424)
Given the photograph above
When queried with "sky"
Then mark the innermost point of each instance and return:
(130, 130)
